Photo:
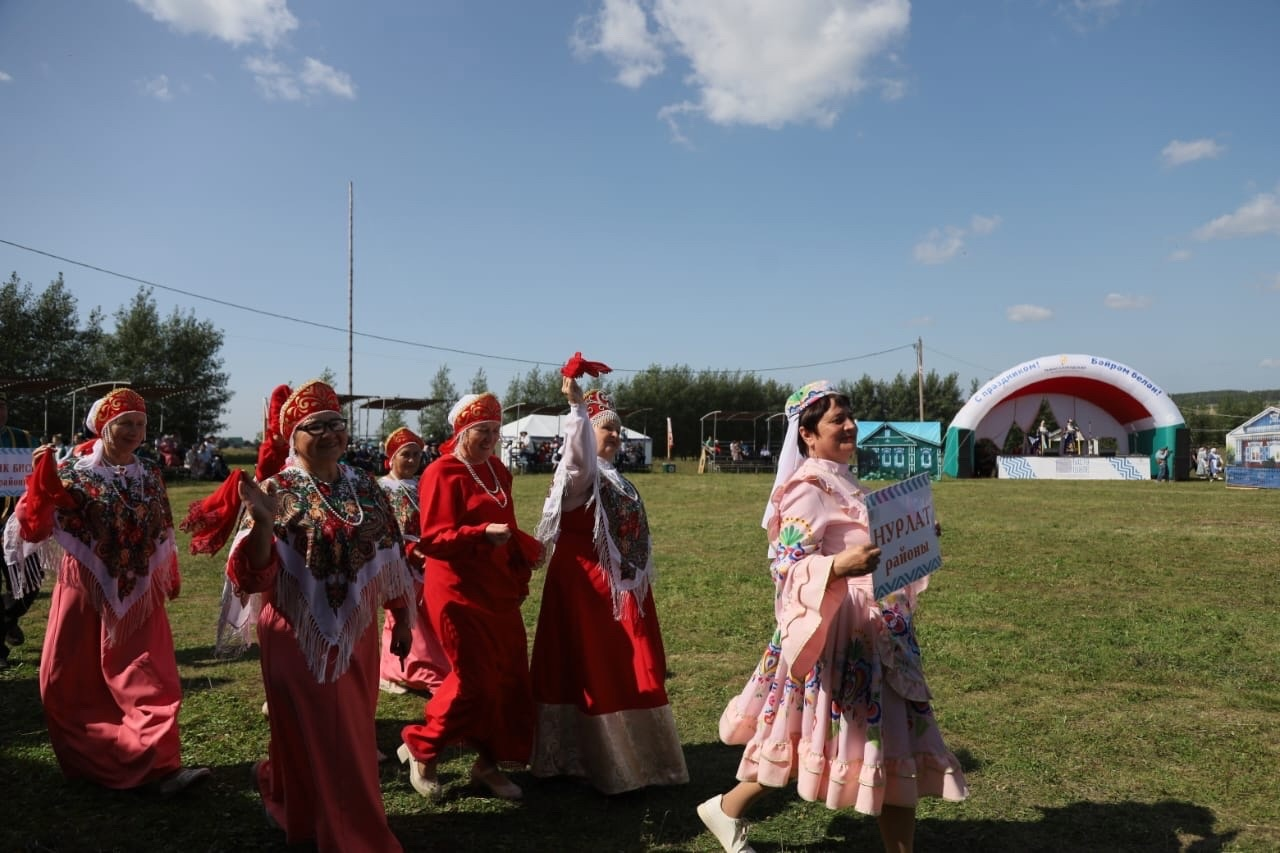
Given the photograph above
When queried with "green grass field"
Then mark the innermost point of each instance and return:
(1105, 659)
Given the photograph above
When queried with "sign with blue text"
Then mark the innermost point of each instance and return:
(902, 526)
(15, 465)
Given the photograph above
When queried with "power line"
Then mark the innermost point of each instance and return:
(371, 336)
(989, 371)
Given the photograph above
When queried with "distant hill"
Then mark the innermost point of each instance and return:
(1241, 402)
(1210, 415)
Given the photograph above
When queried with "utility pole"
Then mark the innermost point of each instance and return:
(351, 278)
(920, 373)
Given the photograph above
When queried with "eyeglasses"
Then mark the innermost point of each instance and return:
(321, 427)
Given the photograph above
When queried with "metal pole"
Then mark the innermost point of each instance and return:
(920, 373)
(351, 272)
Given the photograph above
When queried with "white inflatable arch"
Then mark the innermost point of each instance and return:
(1106, 398)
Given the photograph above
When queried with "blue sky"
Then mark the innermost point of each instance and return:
(717, 183)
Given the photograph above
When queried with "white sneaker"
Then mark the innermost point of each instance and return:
(730, 832)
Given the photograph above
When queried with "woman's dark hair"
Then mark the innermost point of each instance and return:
(811, 416)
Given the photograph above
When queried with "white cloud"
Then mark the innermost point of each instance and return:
(158, 87)
(238, 22)
(1259, 215)
(277, 82)
(1027, 313)
(1269, 362)
(1180, 255)
(1084, 14)
(766, 63)
(1126, 302)
(944, 244)
(984, 224)
(923, 320)
(5, 78)
(939, 245)
(620, 31)
(318, 77)
(1177, 152)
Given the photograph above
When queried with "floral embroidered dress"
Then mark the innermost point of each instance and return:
(838, 701)
(108, 676)
(336, 559)
(426, 665)
(599, 666)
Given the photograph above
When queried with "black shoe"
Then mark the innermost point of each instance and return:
(14, 635)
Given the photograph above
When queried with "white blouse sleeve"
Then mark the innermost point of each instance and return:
(579, 460)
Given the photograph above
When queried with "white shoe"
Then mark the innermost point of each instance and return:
(730, 832)
(391, 687)
(425, 784)
(497, 783)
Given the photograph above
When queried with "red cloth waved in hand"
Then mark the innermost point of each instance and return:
(578, 366)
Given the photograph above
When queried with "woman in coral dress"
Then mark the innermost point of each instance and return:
(425, 666)
(599, 667)
(108, 675)
(321, 549)
(838, 702)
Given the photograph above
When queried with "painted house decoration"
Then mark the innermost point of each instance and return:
(896, 450)
(1255, 451)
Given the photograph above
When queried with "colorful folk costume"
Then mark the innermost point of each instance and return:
(471, 595)
(838, 702)
(108, 676)
(336, 558)
(599, 667)
(424, 668)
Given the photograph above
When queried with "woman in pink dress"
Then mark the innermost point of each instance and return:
(321, 549)
(599, 667)
(108, 674)
(424, 668)
(838, 702)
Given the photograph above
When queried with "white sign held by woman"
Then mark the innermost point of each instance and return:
(903, 527)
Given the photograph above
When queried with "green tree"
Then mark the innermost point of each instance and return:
(479, 382)
(179, 353)
(42, 339)
(534, 388)
(392, 420)
(433, 423)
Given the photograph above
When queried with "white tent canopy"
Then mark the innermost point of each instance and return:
(543, 428)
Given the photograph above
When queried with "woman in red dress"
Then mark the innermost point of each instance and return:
(477, 572)
(598, 717)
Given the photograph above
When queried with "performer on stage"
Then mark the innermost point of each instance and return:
(425, 666)
(599, 666)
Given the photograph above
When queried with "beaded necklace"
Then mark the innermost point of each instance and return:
(337, 487)
(497, 493)
(123, 486)
(408, 488)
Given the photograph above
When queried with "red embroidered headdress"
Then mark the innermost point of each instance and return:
(310, 398)
(399, 439)
(471, 410)
(121, 401)
(600, 407)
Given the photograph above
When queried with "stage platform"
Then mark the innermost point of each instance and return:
(1074, 467)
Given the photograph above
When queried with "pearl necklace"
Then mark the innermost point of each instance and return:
(499, 496)
(334, 511)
